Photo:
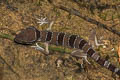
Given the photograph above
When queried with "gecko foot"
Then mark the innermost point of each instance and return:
(80, 54)
(42, 21)
(37, 47)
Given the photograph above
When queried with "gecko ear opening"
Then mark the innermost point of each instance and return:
(27, 36)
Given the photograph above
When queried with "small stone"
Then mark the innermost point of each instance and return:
(59, 62)
(104, 46)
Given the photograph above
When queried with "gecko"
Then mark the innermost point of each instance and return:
(31, 35)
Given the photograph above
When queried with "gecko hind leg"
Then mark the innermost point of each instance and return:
(80, 54)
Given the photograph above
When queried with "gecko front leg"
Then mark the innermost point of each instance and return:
(41, 49)
(42, 21)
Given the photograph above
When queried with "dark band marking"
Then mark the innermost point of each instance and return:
(101, 61)
(43, 36)
(95, 56)
(82, 43)
(90, 52)
(111, 67)
(78, 40)
(118, 72)
(38, 34)
(72, 40)
(86, 47)
(49, 36)
(60, 38)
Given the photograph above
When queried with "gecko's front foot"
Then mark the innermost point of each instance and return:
(42, 21)
(45, 51)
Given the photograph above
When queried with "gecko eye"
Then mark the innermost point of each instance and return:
(27, 36)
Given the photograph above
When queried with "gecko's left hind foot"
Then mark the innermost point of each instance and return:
(80, 54)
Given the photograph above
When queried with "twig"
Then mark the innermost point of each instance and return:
(57, 49)
(6, 36)
(99, 24)
(96, 5)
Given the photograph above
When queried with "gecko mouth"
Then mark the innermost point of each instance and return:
(27, 36)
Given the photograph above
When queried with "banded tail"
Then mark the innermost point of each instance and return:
(31, 35)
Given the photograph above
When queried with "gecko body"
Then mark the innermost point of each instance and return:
(31, 35)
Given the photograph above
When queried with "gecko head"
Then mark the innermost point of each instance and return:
(27, 36)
